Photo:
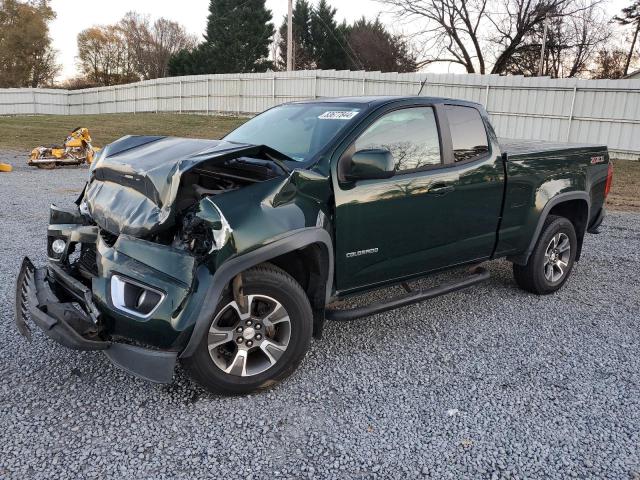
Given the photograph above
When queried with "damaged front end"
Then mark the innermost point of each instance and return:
(93, 289)
(130, 267)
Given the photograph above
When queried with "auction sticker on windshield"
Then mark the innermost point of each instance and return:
(338, 115)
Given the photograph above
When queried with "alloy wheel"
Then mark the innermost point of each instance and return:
(248, 340)
(556, 257)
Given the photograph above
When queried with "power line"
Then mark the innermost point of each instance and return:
(226, 15)
(290, 36)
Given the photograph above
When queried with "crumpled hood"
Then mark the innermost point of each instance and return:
(135, 181)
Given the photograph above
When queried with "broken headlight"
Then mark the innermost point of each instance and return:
(204, 228)
(196, 234)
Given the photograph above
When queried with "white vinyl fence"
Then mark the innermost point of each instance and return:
(574, 110)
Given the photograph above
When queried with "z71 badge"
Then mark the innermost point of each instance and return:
(598, 159)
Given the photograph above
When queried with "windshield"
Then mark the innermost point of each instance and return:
(297, 130)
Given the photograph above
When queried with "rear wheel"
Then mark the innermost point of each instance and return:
(257, 341)
(552, 259)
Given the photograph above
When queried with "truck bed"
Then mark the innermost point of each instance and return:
(519, 147)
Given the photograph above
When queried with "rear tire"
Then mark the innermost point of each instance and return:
(552, 259)
(254, 350)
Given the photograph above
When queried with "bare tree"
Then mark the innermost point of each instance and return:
(133, 49)
(587, 31)
(26, 56)
(104, 55)
(45, 68)
(451, 29)
(456, 30)
(609, 64)
(630, 16)
(153, 44)
(571, 45)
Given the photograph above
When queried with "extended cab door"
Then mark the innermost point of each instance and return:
(441, 207)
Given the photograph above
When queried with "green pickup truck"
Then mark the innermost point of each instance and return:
(228, 254)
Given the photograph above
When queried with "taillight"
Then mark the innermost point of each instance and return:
(607, 186)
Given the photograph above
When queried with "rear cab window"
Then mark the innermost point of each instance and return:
(468, 133)
(410, 134)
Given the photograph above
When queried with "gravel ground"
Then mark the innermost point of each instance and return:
(491, 382)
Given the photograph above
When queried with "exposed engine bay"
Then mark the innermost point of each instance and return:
(161, 190)
(196, 233)
(153, 188)
(211, 180)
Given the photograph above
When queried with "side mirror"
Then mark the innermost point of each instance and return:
(370, 164)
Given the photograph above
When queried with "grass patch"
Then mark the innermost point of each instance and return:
(625, 190)
(27, 132)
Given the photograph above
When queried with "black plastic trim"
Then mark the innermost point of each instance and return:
(560, 198)
(595, 225)
(76, 288)
(153, 365)
(478, 275)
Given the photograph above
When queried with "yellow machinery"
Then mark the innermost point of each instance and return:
(77, 149)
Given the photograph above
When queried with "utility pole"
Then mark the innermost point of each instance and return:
(544, 44)
(290, 37)
(633, 44)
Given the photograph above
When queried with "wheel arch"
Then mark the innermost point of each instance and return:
(575, 206)
(307, 244)
(309, 266)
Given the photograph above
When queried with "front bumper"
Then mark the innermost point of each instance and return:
(75, 323)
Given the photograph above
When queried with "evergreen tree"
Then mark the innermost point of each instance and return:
(183, 63)
(329, 39)
(374, 48)
(236, 41)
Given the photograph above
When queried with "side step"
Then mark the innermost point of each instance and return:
(478, 275)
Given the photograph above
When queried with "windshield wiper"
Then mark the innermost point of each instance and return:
(277, 161)
(272, 155)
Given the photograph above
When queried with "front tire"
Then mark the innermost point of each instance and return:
(552, 259)
(255, 346)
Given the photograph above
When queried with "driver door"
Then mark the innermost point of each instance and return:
(391, 229)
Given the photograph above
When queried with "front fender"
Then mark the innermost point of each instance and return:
(211, 287)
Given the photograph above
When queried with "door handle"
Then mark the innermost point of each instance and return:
(441, 189)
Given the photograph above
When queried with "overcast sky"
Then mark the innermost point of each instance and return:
(71, 19)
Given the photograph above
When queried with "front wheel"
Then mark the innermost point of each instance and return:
(257, 343)
(552, 259)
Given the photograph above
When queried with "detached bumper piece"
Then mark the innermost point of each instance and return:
(71, 326)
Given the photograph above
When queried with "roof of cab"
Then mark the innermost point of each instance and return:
(382, 99)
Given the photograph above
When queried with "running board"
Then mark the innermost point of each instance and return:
(478, 275)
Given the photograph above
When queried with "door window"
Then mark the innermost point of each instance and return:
(410, 134)
(468, 135)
